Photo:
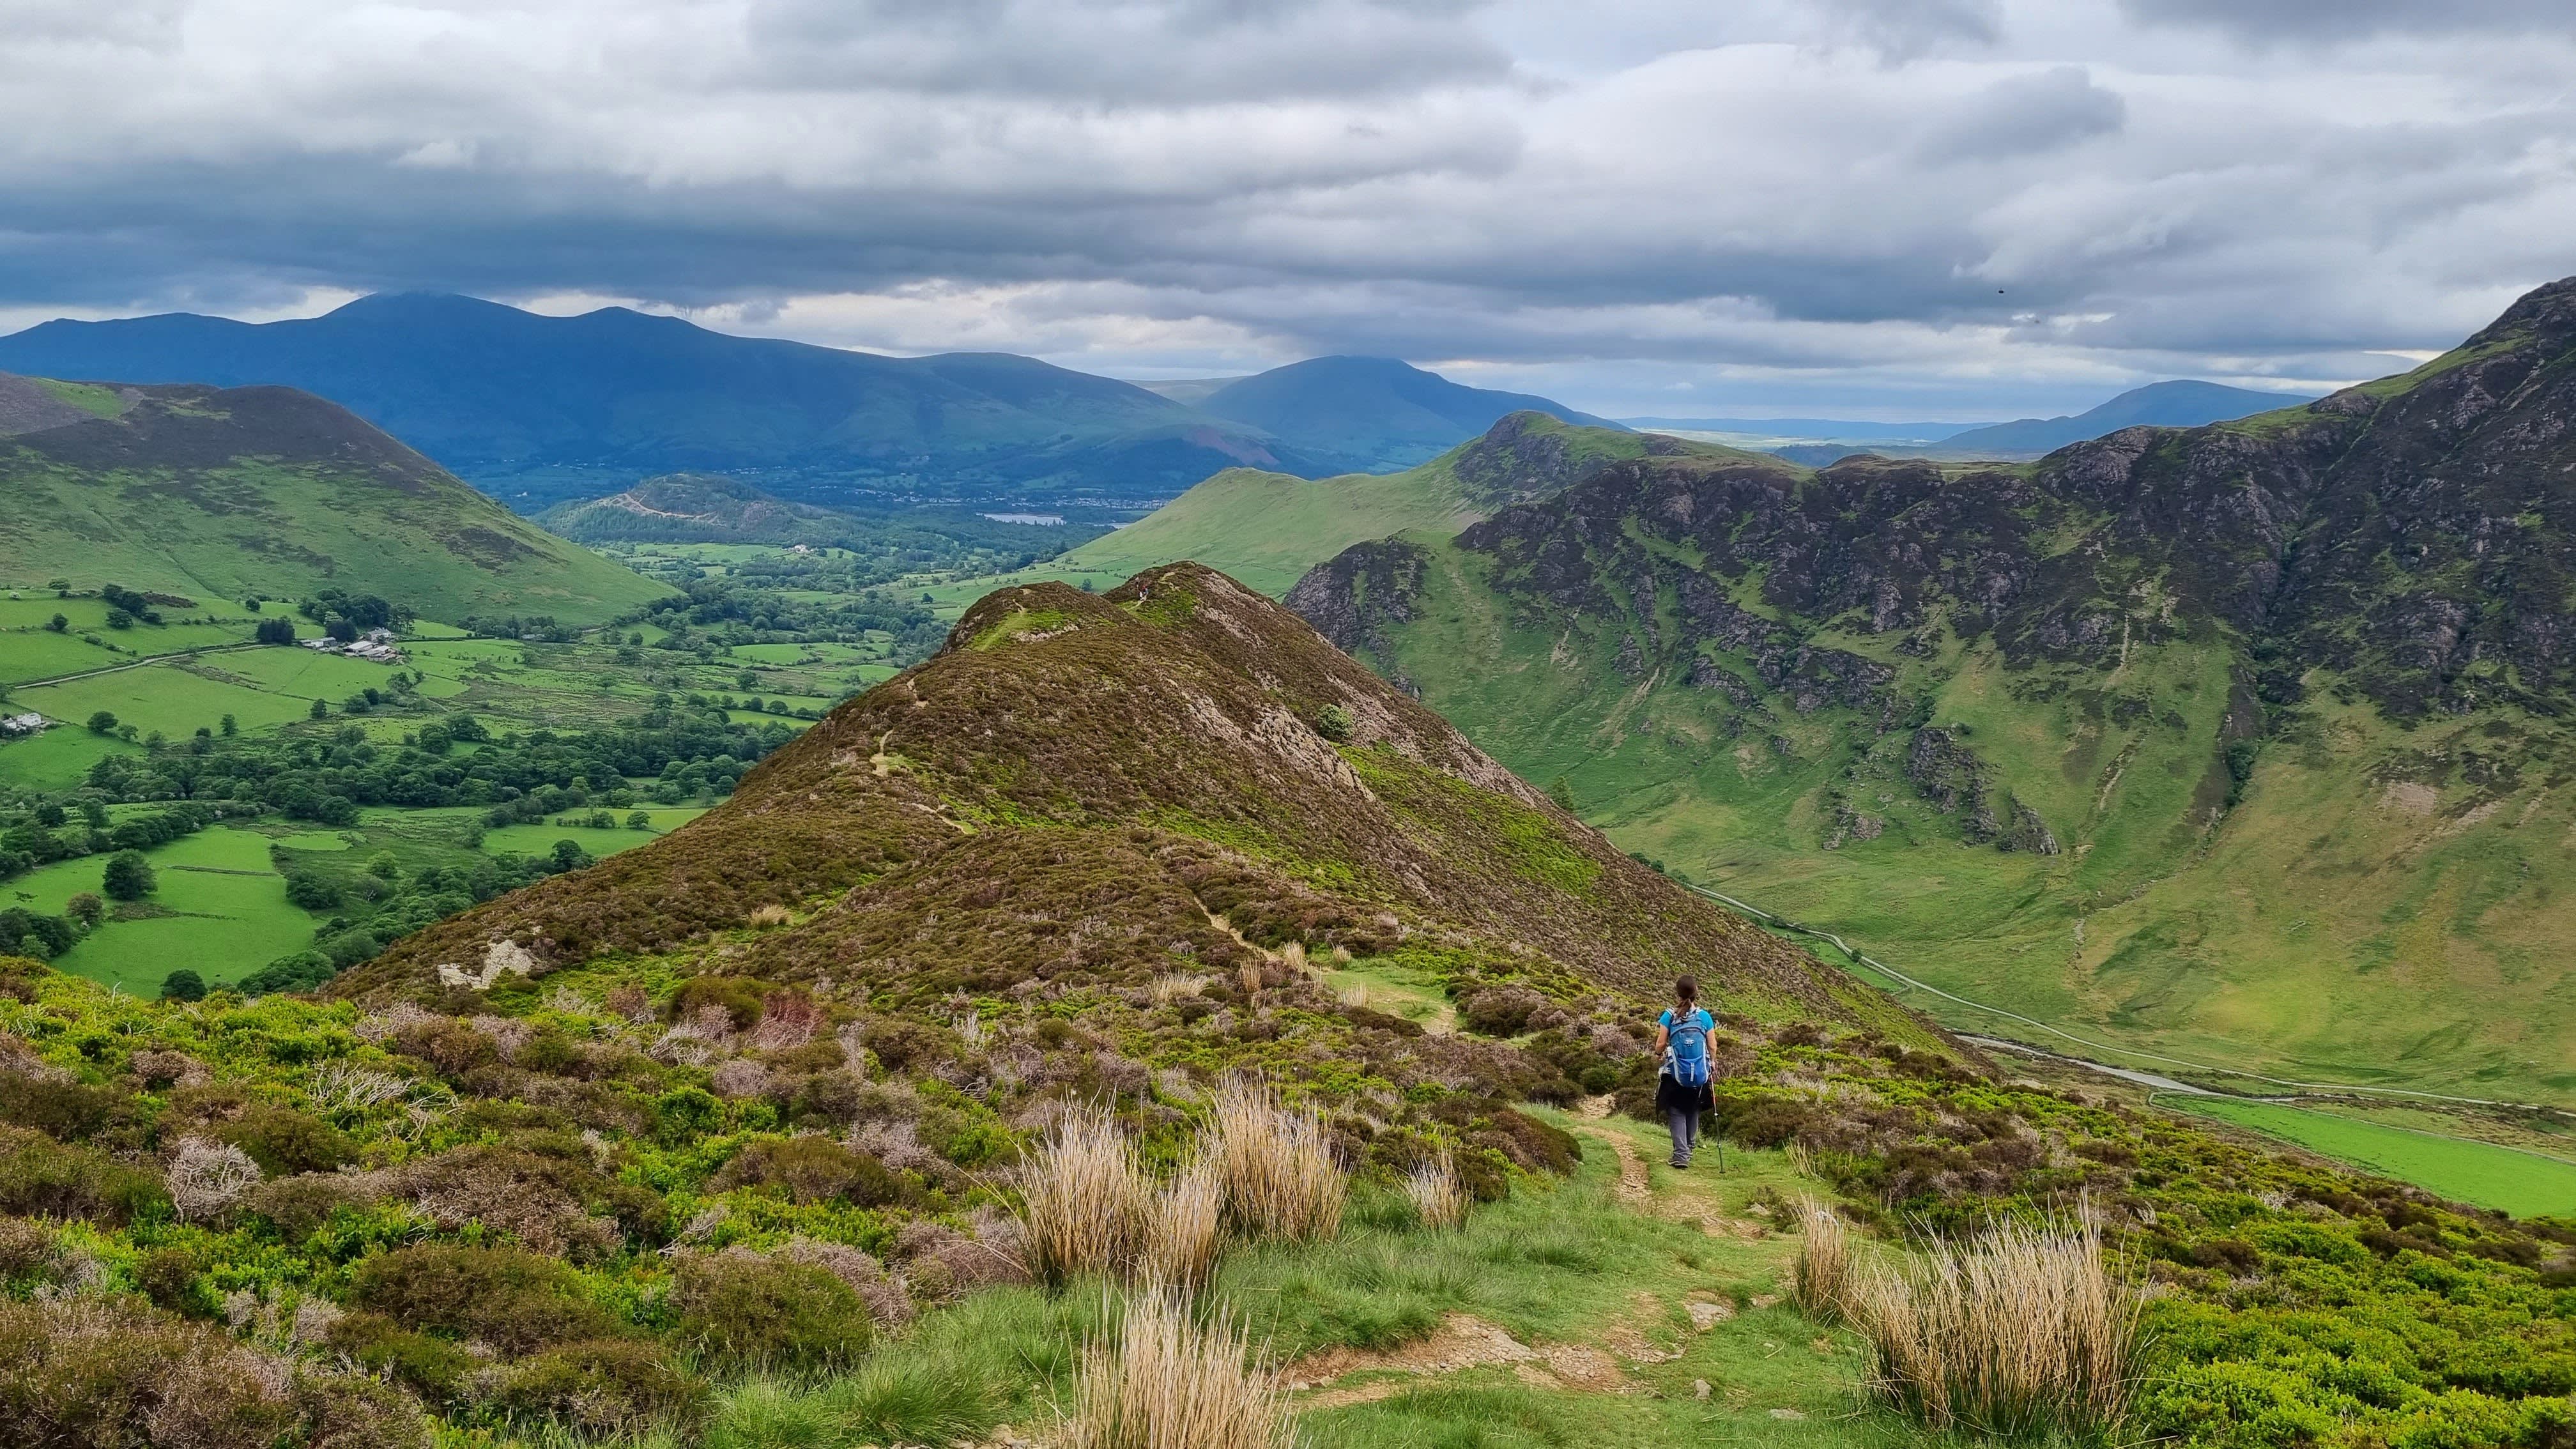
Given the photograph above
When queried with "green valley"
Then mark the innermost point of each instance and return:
(2269, 781)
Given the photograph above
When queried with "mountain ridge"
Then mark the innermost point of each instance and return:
(1202, 800)
(1268, 528)
(1373, 414)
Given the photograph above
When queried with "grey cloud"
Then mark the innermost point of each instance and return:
(1904, 29)
(1121, 53)
(2328, 22)
(1321, 175)
(2027, 114)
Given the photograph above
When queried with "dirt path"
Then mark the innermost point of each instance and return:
(1634, 1189)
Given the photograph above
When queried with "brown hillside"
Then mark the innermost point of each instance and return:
(1076, 789)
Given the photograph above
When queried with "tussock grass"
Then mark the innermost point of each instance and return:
(1439, 1197)
(2025, 1332)
(1822, 1282)
(1277, 1166)
(1174, 1381)
(1187, 1234)
(1087, 1202)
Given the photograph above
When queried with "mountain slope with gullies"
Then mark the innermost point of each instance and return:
(229, 492)
(1083, 792)
(2243, 743)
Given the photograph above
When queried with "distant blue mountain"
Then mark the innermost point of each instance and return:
(2159, 404)
(1817, 429)
(1372, 414)
(541, 408)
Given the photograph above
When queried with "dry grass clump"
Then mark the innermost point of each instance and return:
(1175, 1382)
(2025, 1332)
(1087, 1201)
(1187, 1231)
(1277, 1165)
(1439, 1195)
(1823, 1283)
(763, 918)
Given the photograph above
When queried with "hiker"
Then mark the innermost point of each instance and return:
(1681, 1090)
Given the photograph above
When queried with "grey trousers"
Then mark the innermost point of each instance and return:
(1685, 1130)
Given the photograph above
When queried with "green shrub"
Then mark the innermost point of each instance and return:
(741, 1310)
(168, 1276)
(297, 1206)
(89, 1373)
(811, 1169)
(507, 1297)
(66, 1111)
(431, 1367)
(603, 1386)
(40, 1177)
(284, 1141)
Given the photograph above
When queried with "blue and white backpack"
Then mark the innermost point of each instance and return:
(1686, 1048)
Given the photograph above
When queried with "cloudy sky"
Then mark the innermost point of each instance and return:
(1896, 209)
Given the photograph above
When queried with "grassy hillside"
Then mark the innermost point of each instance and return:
(1268, 528)
(2237, 746)
(218, 495)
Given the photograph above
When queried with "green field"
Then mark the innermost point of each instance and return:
(2525, 1184)
(220, 909)
(539, 839)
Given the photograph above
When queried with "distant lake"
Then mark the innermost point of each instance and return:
(1042, 520)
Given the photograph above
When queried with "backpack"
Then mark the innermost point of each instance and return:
(1686, 1049)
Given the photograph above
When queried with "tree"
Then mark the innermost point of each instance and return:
(251, 603)
(51, 816)
(318, 711)
(102, 723)
(568, 855)
(58, 624)
(86, 908)
(128, 876)
(1335, 723)
(1562, 792)
(639, 821)
(183, 985)
(231, 727)
(119, 619)
(383, 866)
(274, 631)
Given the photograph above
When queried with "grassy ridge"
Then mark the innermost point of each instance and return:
(1267, 529)
(203, 492)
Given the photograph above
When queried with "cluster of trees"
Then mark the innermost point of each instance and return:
(46, 834)
(381, 904)
(542, 628)
(344, 616)
(327, 778)
(714, 614)
(125, 607)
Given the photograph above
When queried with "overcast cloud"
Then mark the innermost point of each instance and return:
(1890, 208)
